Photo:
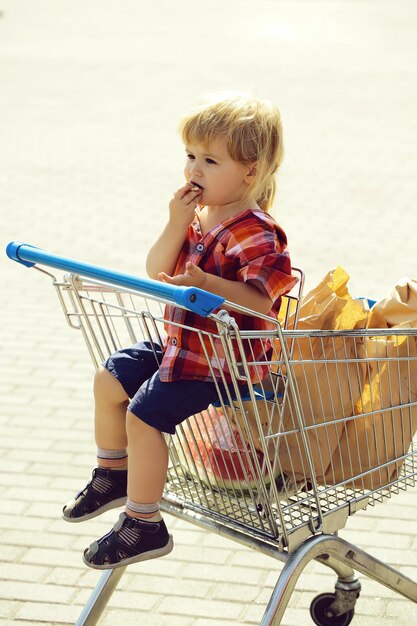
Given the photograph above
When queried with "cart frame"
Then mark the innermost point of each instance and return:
(297, 521)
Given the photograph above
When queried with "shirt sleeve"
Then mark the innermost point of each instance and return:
(263, 257)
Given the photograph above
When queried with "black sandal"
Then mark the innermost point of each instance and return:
(106, 490)
(130, 541)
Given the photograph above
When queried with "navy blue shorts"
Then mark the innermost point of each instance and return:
(162, 405)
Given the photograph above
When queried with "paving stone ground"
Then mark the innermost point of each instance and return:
(91, 93)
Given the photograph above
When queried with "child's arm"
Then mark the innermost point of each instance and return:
(250, 294)
(163, 255)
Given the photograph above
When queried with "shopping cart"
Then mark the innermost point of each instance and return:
(325, 428)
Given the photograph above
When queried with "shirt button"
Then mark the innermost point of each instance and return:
(174, 341)
(200, 247)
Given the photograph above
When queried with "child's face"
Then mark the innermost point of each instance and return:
(211, 168)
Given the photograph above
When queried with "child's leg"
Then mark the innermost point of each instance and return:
(140, 534)
(107, 488)
(111, 402)
(148, 463)
(122, 375)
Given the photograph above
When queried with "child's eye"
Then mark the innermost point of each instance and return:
(211, 162)
(191, 157)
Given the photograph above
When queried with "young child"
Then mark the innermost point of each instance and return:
(229, 246)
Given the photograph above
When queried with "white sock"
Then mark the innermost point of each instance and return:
(112, 459)
(147, 512)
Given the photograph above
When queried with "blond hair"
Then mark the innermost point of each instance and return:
(252, 130)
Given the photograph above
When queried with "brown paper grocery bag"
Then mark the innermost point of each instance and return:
(398, 309)
(325, 392)
(349, 405)
(330, 305)
(372, 441)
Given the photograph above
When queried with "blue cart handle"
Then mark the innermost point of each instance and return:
(197, 300)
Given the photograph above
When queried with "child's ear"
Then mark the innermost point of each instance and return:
(251, 173)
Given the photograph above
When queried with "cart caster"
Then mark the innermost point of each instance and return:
(322, 614)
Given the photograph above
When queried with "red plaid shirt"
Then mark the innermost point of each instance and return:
(247, 246)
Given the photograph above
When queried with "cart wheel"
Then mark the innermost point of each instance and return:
(319, 612)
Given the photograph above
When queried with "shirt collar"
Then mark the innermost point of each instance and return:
(221, 225)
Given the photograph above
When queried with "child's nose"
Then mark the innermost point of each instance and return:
(195, 169)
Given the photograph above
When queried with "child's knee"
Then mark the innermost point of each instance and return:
(134, 424)
(108, 387)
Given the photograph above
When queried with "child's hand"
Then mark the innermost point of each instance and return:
(192, 277)
(183, 204)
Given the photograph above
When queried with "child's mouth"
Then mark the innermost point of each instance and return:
(196, 186)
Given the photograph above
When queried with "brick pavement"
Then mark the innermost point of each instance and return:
(90, 97)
